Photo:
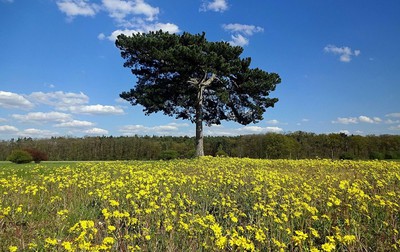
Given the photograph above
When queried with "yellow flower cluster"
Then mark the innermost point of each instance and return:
(204, 204)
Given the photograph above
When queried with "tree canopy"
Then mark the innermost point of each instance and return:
(188, 77)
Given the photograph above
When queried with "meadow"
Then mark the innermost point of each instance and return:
(204, 204)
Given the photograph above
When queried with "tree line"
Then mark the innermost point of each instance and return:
(296, 145)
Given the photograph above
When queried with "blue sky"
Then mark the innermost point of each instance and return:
(61, 74)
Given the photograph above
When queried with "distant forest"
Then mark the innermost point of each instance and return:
(296, 145)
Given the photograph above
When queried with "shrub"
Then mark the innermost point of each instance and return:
(220, 152)
(346, 156)
(37, 155)
(20, 157)
(376, 155)
(168, 154)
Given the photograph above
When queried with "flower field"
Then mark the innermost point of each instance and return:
(205, 204)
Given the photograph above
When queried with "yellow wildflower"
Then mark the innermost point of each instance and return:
(12, 248)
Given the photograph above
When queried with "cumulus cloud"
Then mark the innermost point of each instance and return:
(120, 10)
(143, 28)
(242, 28)
(240, 33)
(37, 133)
(10, 100)
(101, 36)
(354, 120)
(169, 129)
(259, 130)
(390, 121)
(396, 119)
(346, 132)
(346, 120)
(219, 130)
(74, 103)
(59, 99)
(96, 110)
(42, 117)
(74, 8)
(74, 124)
(132, 16)
(274, 121)
(238, 40)
(396, 115)
(8, 129)
(345, 53)
(397, 127)
(96, 132)
(365, 119)
(216, 5)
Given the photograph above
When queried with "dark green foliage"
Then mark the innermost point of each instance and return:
(294, 145)
(168, 155)
(190, 78)
(376, 155)
(220, 152)
(347, 156)
(20, 157)
(171, 69)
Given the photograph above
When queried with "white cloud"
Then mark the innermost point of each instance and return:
(390, 121)
(101, 36)
(127, 32)
(344, 120)
(132, 16)
(74, 124)
(59, 99)
(74, 103)
(3, 120)
(240, 33)
(344, 52)
(96, 132)
(74, 8)
(242, 28)
(96, 110)
(238, 40)
(10, 100)
(216, 5)
(120, 10)
(274, 121)
(345, 132)
(219, 130)
(360, 119)
(8, 129)
(377, 119)
(365, 119)
(166, 27)
(397, 127)
(41, 117)
(37, 133)
(181, 129)
(178, 124)
(259, 130)
(397, 115)
(145, 28)
(169, 129)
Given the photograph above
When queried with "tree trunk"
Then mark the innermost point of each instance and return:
(199, 124)
(199, 134)
(201, 85)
